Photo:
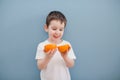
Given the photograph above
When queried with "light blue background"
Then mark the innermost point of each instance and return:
(93, 29)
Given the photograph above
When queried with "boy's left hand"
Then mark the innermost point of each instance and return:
(64, 54)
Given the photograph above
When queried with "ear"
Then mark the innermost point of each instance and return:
(46, 28)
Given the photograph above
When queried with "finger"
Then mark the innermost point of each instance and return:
(66, 52)
(69, 48)
(48, 52)
(52, 51)
(55, 50)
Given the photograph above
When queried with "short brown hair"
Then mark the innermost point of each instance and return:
(56, 15)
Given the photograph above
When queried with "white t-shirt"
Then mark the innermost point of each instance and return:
(56, 68)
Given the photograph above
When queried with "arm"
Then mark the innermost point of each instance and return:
(42, 63)
(69, 62)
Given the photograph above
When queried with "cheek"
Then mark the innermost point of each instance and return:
(62, 32)
(51, 32)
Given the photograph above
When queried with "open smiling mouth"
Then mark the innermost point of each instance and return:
(56, 36)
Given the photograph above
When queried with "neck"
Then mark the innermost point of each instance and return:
(55, 41)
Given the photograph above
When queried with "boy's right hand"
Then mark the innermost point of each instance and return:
(50, 53)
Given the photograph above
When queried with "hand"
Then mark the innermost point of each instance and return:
(64, 54)
(50, 53)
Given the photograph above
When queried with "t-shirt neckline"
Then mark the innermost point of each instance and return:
(54, 43)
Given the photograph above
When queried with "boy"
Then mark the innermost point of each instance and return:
(54, 64)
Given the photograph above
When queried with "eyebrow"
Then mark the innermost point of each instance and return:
(53, 27)
(57, 27)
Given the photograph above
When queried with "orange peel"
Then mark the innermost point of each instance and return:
(49, 47)
(63, 48)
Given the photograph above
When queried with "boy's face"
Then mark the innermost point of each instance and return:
(55, 30)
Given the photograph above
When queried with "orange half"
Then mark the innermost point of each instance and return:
(63, 48)
(49, 47)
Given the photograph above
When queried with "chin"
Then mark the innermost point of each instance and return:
(56, 39)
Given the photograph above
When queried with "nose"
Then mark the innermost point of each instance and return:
(57, 32)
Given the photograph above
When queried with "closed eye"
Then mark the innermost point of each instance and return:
(61, 30)
(54, 29)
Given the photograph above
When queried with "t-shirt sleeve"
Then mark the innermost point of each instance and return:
(40, 53)
(71, 53)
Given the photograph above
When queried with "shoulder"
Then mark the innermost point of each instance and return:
(65, 42)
